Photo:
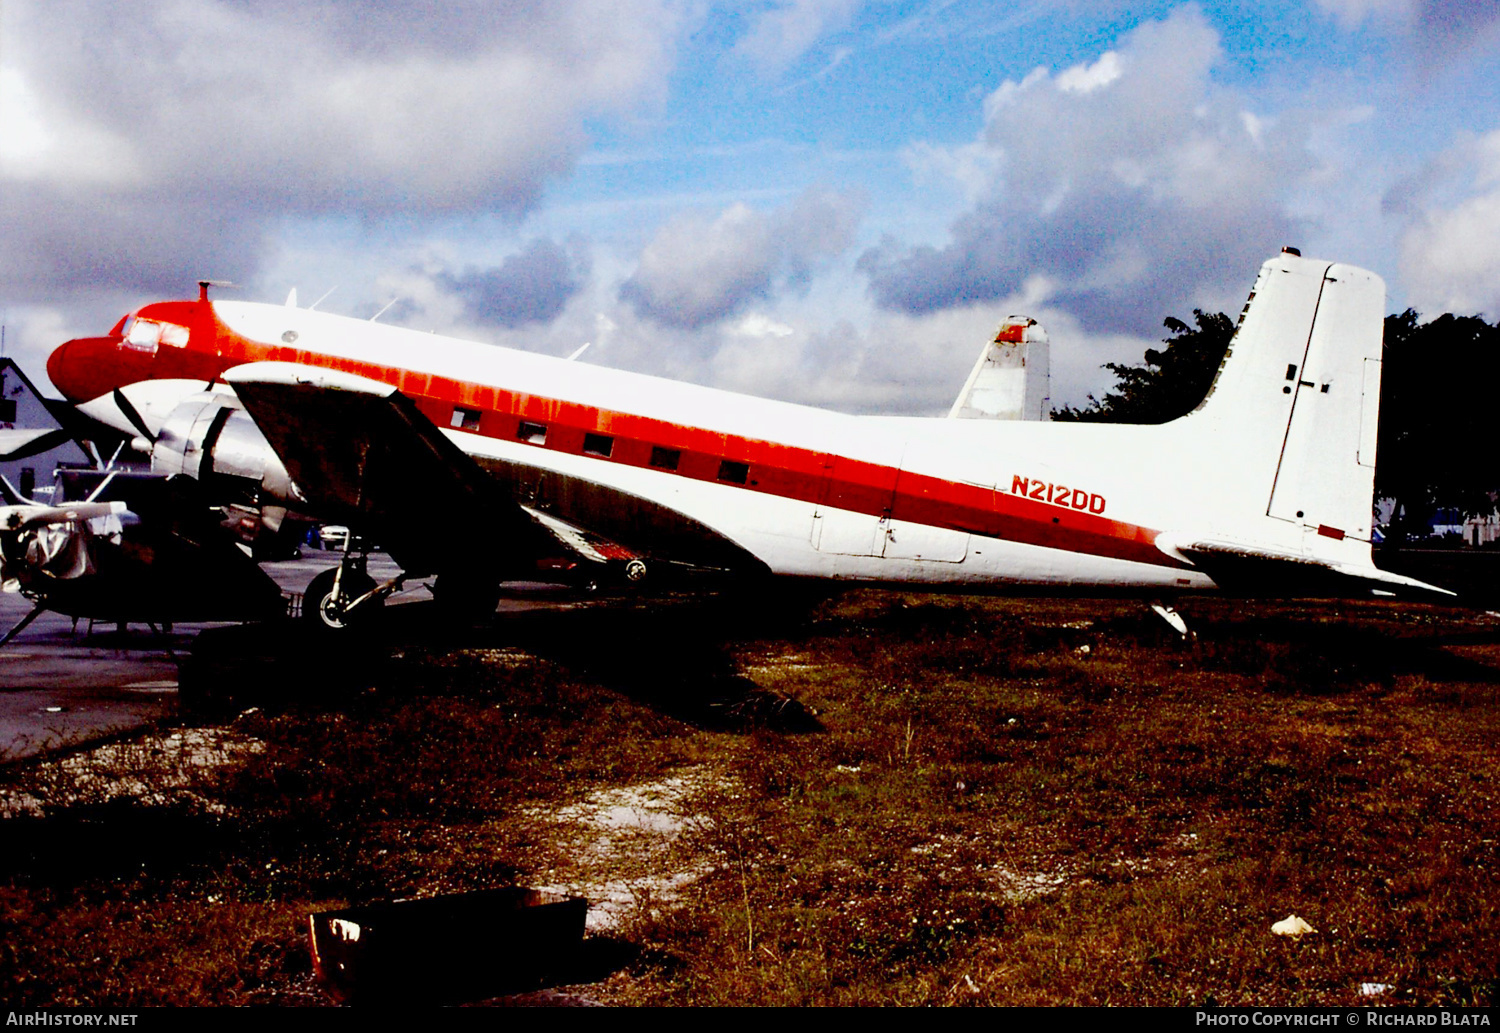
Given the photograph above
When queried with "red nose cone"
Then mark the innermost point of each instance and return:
(87, 367)
(56, 363)
(60, 371)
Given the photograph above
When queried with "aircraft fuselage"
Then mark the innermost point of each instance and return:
(820, 494)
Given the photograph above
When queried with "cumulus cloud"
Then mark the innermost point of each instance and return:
(139, 121)
(1450, 250)
(60, 244)
(1451, 18)
(1131, 182)
(700, 267)
(379, 105)
(902, 363)
(807, 349)
(531, 286)
(1438, 31)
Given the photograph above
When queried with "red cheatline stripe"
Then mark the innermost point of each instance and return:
(803, 474)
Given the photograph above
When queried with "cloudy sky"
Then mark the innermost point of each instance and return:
(827, 201)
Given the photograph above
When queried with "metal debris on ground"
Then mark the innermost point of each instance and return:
(458, 947)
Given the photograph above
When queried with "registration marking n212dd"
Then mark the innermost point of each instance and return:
(1057, 494)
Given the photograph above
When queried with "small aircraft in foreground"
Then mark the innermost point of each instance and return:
(103, 560)
(475, 463)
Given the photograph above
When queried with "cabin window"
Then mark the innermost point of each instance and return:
(734, 473)
(464, 419)
(534, 433)
(598, 445)
(665, 458)
(7, 410)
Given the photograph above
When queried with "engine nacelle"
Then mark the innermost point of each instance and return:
(211, 438)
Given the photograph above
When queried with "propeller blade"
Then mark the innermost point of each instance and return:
(133, 415)
(21, 518)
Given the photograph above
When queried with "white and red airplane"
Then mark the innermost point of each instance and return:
(1265, 488)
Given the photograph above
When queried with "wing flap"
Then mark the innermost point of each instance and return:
(581, 541)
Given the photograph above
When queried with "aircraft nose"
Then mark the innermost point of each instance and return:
(57, 369)
(78, 368)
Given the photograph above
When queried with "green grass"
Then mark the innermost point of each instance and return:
(902, 800)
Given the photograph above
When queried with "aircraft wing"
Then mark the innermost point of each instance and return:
(1256, 569)
(362, 453)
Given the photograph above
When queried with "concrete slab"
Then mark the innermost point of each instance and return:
(62, 684)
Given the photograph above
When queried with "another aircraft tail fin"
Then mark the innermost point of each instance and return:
(1296, 402)
(1010, 379)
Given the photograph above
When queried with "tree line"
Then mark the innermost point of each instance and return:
(1437, 406)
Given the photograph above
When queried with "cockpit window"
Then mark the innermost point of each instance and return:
(142, 334)
(145, 334)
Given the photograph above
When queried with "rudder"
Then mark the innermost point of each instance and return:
(1297, 399)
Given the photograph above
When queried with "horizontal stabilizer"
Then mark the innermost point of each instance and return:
(1258, 570)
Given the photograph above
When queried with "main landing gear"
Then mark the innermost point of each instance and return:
(346, 596)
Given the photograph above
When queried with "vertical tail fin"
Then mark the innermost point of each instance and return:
(1010, 379)
(1296, 401)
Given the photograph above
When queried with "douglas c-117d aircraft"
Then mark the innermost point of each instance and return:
(473, 462)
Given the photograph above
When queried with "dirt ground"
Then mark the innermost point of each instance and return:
(876, 799)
